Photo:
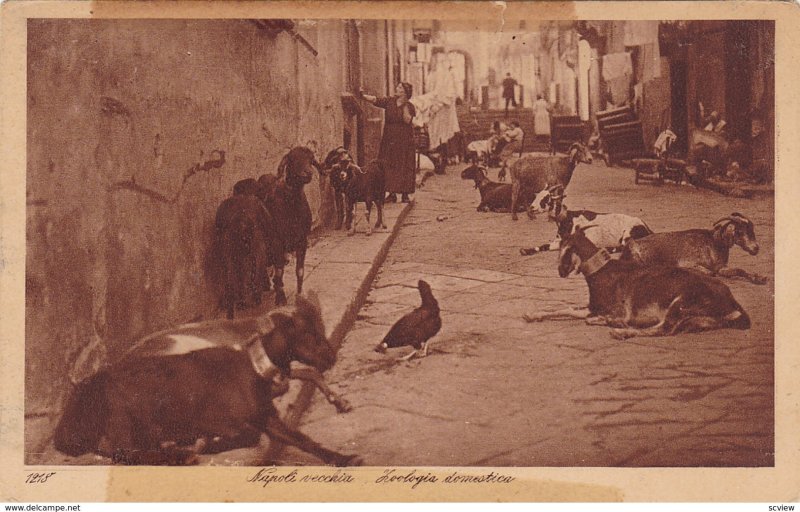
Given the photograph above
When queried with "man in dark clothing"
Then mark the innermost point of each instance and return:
(508, 91)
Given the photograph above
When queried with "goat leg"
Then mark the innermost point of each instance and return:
(277, 281)
(312, 375)
(348, 222)
(734, 273)
(515, 186)
(339, 203)
(300, 266)
(379, 206)
(368, 214)
(552, 246)
(563, 314)
(278, 431)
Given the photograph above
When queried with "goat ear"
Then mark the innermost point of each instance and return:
(309, 302)
(282, 166)
(332, 155)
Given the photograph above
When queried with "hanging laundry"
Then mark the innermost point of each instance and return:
(619, 89)
(638, 33)
(616, 65)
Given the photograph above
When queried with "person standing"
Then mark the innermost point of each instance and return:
(508, 91)
(541, 117)
(397, 143)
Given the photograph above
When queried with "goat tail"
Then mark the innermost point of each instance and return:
(83, 422)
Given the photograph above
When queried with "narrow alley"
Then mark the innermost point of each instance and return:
(497, 391)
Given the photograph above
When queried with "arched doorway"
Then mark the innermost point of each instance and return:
(462, 67)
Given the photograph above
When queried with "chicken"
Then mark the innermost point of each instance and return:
(415, 328)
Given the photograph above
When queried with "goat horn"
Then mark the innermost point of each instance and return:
(737, 215)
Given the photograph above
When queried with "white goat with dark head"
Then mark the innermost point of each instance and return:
(608, 230)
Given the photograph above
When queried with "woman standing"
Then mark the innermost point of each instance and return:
(397, 143)
(541, 117)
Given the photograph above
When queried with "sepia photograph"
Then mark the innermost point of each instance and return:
(399, 242)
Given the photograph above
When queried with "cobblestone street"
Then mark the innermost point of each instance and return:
(497, 391)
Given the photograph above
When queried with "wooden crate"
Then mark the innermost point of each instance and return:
(621, 134)
(566, 130)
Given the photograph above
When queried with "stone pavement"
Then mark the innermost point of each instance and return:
(497, 391)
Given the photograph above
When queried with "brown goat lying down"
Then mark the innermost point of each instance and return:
(704, 250)
(495, 197)
(642, 300)
(187, 390)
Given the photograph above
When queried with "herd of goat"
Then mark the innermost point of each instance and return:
(661, 284)
(208, 387)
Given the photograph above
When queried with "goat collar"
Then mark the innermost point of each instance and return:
(261, 362)
(595, 263)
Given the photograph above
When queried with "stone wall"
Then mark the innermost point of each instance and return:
(127, 125)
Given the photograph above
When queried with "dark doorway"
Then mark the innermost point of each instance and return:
(680, 121)
(737, 79)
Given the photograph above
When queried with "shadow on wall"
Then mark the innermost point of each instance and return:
(127, 165)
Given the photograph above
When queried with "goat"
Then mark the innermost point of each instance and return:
(368, 186)
(639, 300)
(247, 186)
(608, 230)
(704, 250)
(354, 185)
(537, 172)
(495, 197)
(243, 243)
(479, 151)
(182, 391)
(291, 215)
(339, 166)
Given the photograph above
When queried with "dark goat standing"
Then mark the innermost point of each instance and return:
(368, 187)
(642, 300)
(538, 172)
(243, 242)
(417, 327)
(704, 250)
(495, 197)
(262, 188)
(160, 404)
(339, 166)
(352, 185)
(291, 215)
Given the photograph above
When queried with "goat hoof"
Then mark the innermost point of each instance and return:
(369, 231)
(619, 334)
(280, 298)
(532, 318)
(757, 279)
(514, 217)
(342, 405)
